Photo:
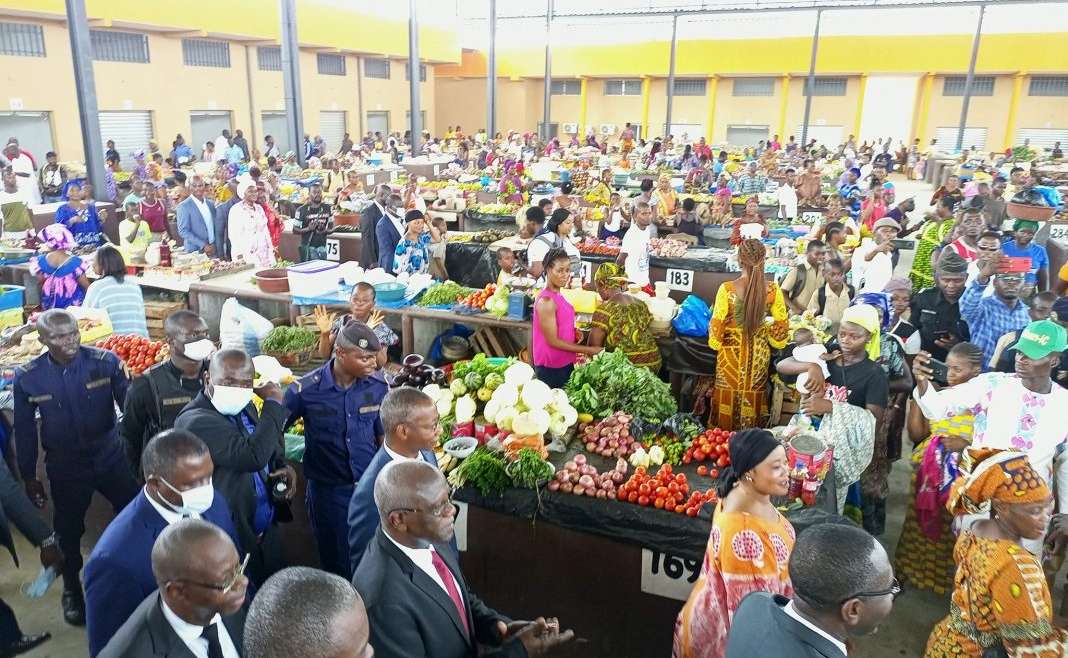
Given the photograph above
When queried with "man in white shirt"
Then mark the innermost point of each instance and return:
(1023, 411)
(634, 253)
(270, 149)
(787, 196)
(200, 599)
(23, 167)
(222, 145)
(874, 260)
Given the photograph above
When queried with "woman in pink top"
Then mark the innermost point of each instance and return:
(873, 208)
(555, 348)
(154, 212)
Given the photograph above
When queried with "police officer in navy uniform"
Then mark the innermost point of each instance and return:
(339, 403)
(75, 388)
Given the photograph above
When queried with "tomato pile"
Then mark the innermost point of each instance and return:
(478, 298)
(138, 352)
(712, 445)
(665, 490)
(598, 249)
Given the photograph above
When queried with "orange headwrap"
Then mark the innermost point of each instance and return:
(988, 474)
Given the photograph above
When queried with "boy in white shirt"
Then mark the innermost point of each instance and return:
(787, 196)
(634, 254)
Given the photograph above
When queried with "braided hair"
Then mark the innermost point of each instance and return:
(751, 256)
(969, 351)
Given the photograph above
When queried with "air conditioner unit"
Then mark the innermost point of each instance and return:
(570, 128)
(608, 129)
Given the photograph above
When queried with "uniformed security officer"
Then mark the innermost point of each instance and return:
(75, 388)
(156, 397)
(339, 403)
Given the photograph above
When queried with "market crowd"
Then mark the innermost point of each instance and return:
(964, 352)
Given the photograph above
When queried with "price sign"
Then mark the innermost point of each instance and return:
(811, 217)
(333, 249)
(679, 280)
(437, 168)
(460, 525)
(393, 175)
(586, 271)
(370, 180)
(667, 575)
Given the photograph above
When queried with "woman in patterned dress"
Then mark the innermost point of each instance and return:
(924, 556)
(743, 340)
(622, 322)
(748, 549)
(1001, 602)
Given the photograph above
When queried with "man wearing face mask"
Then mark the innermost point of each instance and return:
(156, 398)
(75, 388)
(339, 403)
(118, 576)
(844, 587)
(247, 450)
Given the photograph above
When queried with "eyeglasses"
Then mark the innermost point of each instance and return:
(1009, 278)
(230, 582)
(442, 511)
(893, 591)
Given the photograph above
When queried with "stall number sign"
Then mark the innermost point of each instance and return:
(370, 179)
(811, 217)
(1058, 232)
(586, 271)
(437, 168)
(333, 249)
(679, 280)
(460, 525)
(667, 575)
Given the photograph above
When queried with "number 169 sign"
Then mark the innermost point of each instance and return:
(679, 280)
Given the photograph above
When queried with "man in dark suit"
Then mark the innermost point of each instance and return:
(417, 600)
(389, 232)
(247, 450)
(323, 615)
(844, 587)
(196, 219)
(199, 607)
(222, 220)
(410, 421)
(118, 576)
(368, 223)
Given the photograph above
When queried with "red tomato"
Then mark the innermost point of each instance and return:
(621, 495)
(670, 502)
(723, 461)
(691, 511)
(686, 459)
(702, 470)
(681, 478)
(643, 501)
(679, 509)
(644, 490)
(632, 497)
(661, 491)
(699, 455)
(658, 503)
(714, 473)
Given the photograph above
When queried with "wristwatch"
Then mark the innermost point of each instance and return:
(49, 541)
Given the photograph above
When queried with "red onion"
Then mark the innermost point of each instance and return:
(580, 460)
(601, 494)
(562, 476)
(570, 466)
(591, 446)
(586, 481)
(566, 487)
(578, 490)
(554, 485)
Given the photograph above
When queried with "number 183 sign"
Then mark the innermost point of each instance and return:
(679, 280)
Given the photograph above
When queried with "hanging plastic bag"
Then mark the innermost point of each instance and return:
(693, 318)
(242, 328)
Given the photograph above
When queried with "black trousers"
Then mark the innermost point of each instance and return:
(9, 626)
(70, 501)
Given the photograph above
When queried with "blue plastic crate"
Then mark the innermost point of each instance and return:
(11, 297)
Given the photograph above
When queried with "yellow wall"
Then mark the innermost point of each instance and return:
(983, 111)
(393, 96)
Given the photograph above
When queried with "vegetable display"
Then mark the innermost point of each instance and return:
(477, 300)
(611, 437)
(485, 470)
(712, 445)
(286, 340)
(137, 352)
(446, 293)
(530, 469)
(665, 490)
(610, 382)
(580, 478)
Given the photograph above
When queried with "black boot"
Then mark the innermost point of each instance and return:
(73, 602)
(867, 510)
(24, 644)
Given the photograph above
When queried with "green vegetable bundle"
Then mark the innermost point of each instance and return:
(610, 382)
(286, 340)
(443, 294)
(529, 469)
(485, 470)
(481, 366)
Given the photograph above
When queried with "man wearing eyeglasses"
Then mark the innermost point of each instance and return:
(199, 607)
(118, 576)
(418, 603)
(844, 587)
(990, 318)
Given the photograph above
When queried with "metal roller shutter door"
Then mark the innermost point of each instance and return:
(274, 124)
(378, 122)
(1042, 138)
(131, 132)
(206, 126)
(829, 136)
(33, 130)
(746, 135)
(947, 138)
(332, 129)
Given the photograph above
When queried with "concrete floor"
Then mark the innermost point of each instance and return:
(903, 634)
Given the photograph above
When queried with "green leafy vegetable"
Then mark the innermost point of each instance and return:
(442, 294)
(610, 383)
(484, 470)
(529, 469)
(284, 340)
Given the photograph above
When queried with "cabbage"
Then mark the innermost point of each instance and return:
(433, 391)
(536, 394)
(569, 414)
(505, 417)
(444, 407)
(465, 409)
(490, 412)
(446, 394)
(507, 393)
(524, 425)
(558, 425)
(540, 418)
(518, 374)
(559, 400)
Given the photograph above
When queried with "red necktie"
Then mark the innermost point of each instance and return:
(450, 587)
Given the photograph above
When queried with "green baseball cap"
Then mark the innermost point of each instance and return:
(1042, 338)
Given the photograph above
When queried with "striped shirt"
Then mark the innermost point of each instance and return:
(989, 318)
(123, 302)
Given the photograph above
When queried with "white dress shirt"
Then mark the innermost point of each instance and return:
(792, 612)
(190, 634)
(424, 561)
(221, 144)
(787, 198)
(169, 515)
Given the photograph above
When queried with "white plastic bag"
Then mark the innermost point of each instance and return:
(242, 328)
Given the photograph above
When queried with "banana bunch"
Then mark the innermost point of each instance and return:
(446, 462)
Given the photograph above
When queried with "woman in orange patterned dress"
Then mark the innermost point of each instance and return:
(748, 549)
(743, 339)
(1000, 600)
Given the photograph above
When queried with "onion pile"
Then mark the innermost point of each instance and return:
(611, 437)
(582, 479)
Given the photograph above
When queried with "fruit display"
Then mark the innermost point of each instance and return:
(509, 209)
(445, 293)
(137, 352)
(490, 236)
(592, 247)
(611, 437)
(581, 478)
(477, 300)
(665, 490)
(712, 445)
(665, 248)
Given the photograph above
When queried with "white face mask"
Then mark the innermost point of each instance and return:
(199, 350)
(197, 500)
(230, 400)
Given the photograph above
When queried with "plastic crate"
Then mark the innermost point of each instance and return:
(11, 297)
(11, 317)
